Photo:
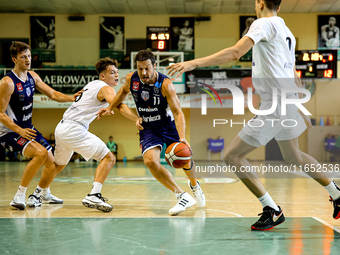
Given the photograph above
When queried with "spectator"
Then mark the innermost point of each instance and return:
(112, 146)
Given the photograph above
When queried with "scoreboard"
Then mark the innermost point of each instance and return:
(158, 38)
(316, 64)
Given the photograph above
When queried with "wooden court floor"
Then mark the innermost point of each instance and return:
(140, 224)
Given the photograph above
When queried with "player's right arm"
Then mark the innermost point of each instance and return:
(6, 91)
(224, 56)
(119, 98)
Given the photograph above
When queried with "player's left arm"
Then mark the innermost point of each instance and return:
(168, 91)
(49, 92)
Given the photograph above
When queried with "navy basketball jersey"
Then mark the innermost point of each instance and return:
(21, 103)
(151, 105)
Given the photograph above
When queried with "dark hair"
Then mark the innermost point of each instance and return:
(18, 47)
(103, 63)
(272, 4)
(143, 55)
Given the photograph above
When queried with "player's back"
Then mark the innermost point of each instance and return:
(273, 53)
(85, 107)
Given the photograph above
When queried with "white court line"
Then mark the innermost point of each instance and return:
(327, 224)
(236, 214)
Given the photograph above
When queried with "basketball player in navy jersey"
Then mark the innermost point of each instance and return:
(163, 121)
(16, 130)
(273, 64)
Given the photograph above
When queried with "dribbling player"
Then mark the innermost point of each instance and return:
(273, 65)
(163, 121)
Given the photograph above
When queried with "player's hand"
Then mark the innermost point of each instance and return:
(307, 120)
(183, 140)
(28, 133)
(139, 122)
(77, 94)
(103, 112)
(180, 68)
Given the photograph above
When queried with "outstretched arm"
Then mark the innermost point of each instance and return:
(49, 92)
(119, 98)
(109, 95)
(224, 56)
(128, 113)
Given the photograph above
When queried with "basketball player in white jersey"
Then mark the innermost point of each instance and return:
(71, 134)
(273, 58)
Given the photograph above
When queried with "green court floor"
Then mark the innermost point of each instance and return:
(164, 236)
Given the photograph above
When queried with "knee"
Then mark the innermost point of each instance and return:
(111, 158)
(294, 159)
(41, 153)
(230, 158)
(151, 164)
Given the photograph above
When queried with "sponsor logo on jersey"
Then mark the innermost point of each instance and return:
(253, 63)
(28, 91)
(21, 141)
(135, 95)
(26, 117)
(31, 81)
(141, 109)
(135, 85)
(152, 118)
(21, 97)
(145, 95)
(156, 90)
(27, 107)
(19, 87)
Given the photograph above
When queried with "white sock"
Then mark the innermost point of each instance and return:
(22, 190)
(45, 191)
(96, 188)
(266, 200)
(333, 190)
(37, 191)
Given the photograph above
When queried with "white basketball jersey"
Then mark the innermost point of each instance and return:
(273, 54)
(84, 109)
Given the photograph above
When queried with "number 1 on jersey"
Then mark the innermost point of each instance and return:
(156, 100)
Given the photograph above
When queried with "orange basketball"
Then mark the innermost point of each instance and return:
(178, 155)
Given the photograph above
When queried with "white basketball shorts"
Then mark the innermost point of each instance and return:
(71, 136)
(263, 128)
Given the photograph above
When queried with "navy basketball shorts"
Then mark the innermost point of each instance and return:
(15, 142)
(151, 138)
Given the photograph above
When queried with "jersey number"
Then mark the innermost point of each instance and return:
(79, 97)
(289, 41)
(156, 100)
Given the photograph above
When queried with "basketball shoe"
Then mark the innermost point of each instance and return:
(33, 201)
(97, 201)
(269, 219)
(48, 198)
(198, 194)
(336, 206)
(184, 201)
(19, 201)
